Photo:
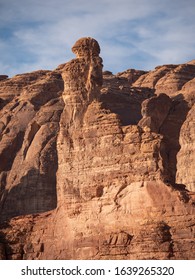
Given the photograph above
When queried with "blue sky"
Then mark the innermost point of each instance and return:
(140, 34)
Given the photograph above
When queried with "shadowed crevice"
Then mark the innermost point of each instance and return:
(170, 130)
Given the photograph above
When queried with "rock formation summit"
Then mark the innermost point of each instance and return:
(95, 165)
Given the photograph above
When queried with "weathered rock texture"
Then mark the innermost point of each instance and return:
(28, 158)
(97, 166)
(186, 155)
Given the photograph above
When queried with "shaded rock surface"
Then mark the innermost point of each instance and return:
(28, 158)
(186, 155)
(95, 165)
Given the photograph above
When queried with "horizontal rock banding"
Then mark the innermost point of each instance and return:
(95, 165)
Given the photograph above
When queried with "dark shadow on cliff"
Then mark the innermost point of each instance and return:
(127, 106)
(4, 102)
(4, 247)
(14, 234)
(170, 130)
(6, 250)
(126, 103)
(36, 193)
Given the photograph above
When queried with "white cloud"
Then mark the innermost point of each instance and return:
(143, 33)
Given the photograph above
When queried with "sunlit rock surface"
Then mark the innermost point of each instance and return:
(95, 165)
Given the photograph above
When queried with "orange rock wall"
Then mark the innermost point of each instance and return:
(97, 166)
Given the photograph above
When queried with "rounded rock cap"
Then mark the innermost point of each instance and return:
(85, 46)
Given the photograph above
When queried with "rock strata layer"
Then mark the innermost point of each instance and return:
(95, 165)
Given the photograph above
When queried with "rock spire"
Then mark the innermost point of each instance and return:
(82, 79)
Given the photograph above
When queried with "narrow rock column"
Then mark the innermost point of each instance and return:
(82, 83)
(82, 80)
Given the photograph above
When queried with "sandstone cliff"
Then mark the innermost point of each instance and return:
(95, 165)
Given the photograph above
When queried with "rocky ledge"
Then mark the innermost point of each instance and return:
(95, 165)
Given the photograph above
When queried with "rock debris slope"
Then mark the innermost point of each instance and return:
(95, 165)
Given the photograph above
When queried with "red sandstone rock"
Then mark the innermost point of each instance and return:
(3, 77)
(131, 75)
(154, 111)
(186, 155)
(97, 167)
(29, 124)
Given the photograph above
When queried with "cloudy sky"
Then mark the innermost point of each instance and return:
(141, 34)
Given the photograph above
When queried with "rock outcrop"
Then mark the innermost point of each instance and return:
(93, 165)
(79, 93)
(3, 77)
(28, 158)
(186, 155)
(154, 112)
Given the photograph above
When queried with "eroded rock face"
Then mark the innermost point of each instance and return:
(29, 126)
(154, 112)
(186, 155)
(104, 162)
(167, 79)
(79, 93)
